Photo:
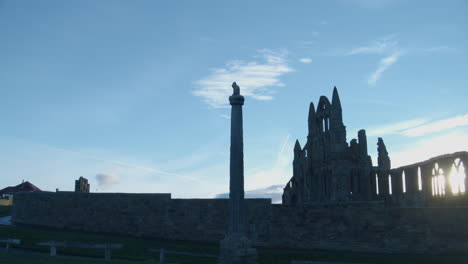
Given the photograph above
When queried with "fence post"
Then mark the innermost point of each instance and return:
(107, 253)
(53, 250)
(161, 256)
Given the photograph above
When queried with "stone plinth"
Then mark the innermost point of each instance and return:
(237, 249)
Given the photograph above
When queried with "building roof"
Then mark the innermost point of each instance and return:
(22, 187)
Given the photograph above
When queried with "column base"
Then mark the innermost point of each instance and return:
(237, 249)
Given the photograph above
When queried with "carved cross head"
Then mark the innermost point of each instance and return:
(236, 88)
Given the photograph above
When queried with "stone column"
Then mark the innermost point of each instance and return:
(236, 167)
(426, 178)
(397, 183)
(236, 248)
(411, 180)
(464, 159)
(397, 189)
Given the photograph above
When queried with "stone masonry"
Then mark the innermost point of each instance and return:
(236, 247)
(329, 170)
(82, 185)
(355, 226)
(336, 199)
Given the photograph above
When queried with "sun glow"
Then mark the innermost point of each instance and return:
(457, 177)
(403, 180)
(419, 179)
(389, 184)
(438, 181)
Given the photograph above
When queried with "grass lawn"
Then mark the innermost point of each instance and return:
(5, 210)
(136, 250)
(285, 256)
(21, 258)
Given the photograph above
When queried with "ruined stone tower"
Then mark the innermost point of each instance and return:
(82, 185)
(327, 169)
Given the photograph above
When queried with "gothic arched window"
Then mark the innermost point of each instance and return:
(457, 177)
(403, 181)
(438, 181)
(419, 179)
(390, 184)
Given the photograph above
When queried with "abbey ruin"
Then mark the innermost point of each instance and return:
(335, 200)
(328, 170)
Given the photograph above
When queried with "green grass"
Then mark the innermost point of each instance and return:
(136, 250)
(271, 256)
(21, 258)
(5, 210)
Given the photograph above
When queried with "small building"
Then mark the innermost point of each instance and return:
(6, 194)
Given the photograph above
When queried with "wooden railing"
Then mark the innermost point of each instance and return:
(9, 241)
(54, 244)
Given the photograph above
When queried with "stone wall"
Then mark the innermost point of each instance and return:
(147, 215)
(369, 226)
(414, 185)
(366, 227)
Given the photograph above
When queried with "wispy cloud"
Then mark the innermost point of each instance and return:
(384, 64)
(370, 4)
(437, 126)
(188, 176)
(395, 128)
(389, 47)
(386, 45)
(225, 116)
(276, 171)
(419, 127)
(383, 45)
(132, 165)
(255, 78)
(305, 60)
(428, 147)
(443, 48)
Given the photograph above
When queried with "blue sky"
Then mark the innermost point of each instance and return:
(133, 95)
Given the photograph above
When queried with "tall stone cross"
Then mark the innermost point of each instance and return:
(236, 167)
(236, 248)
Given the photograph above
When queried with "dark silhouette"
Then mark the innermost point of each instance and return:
(236, 248)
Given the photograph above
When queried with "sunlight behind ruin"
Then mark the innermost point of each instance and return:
(457, 177)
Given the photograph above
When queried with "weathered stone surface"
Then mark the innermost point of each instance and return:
(331, 202)
(327, 170)
(357, 226)
(236, 247)
(82, 185)
(236, 165)
(383, 158)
